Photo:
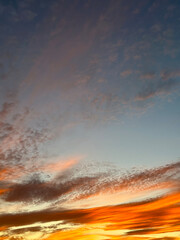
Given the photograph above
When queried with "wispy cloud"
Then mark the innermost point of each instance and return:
(57, 164)
(126, 73)
(148, 75)
(166, 75)
(158, 88)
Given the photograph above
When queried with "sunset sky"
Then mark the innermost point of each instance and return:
(90, 119)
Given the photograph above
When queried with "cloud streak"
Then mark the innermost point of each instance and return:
(157, 89)
(68, 186)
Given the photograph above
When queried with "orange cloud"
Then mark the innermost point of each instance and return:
(61, 165)
(3, 191)
(2, 173)
(139, 219)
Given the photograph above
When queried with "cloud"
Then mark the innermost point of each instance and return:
(59, 164)
(157, 88)
(157, 215)
(69, 67)
(6, 110)
(59, 58)
(19, 141)
(19, 149)
(156, 28)
(166, 75)
(38, 190)
(18, 11)
(126, 73)
(58, 64)
(16, 238)
(135, 181)
(149, 75)
(27, 229)
(68, 186)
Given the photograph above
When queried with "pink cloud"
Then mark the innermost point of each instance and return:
(61, 165)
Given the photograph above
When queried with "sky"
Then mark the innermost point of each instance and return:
(89, 119)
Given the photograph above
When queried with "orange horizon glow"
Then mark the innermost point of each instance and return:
(153, 219)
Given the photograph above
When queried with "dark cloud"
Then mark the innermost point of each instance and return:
(142, 231)
(27, 229)
(42, 216)
(38, 190)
